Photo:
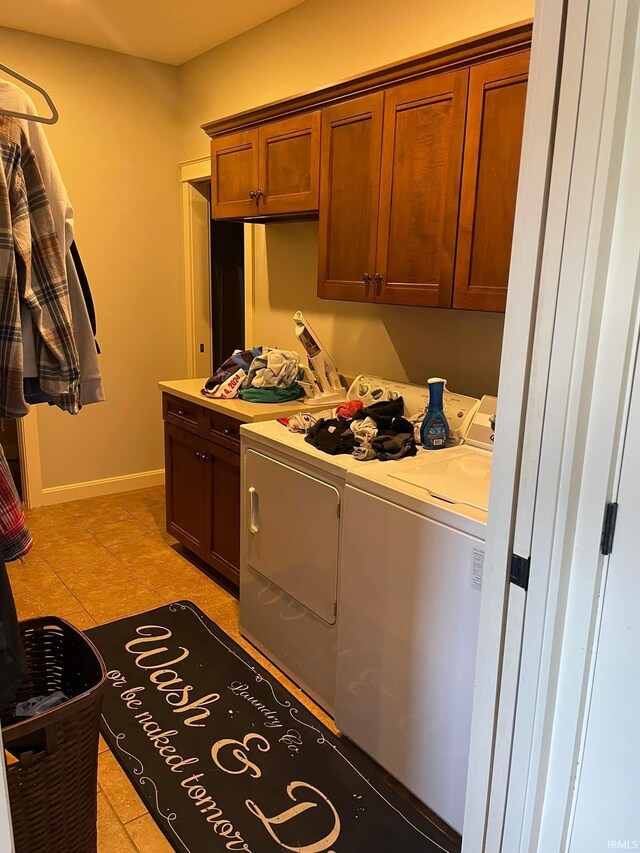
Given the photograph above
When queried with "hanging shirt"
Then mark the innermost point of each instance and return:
(14, 98)
(15, 539)
(32, 272)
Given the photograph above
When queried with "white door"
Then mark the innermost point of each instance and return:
(292, 532)
(607, 812)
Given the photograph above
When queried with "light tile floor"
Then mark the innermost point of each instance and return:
(100, 559)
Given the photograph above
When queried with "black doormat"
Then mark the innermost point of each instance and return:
(226, 759)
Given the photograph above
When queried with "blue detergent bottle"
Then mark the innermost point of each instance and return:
(434, 431)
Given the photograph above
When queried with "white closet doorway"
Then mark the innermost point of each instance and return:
(606, 811)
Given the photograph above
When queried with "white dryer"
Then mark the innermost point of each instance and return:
(292, 526)
(409, 592)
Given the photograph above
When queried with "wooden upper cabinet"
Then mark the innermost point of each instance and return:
(289, 165)
(420, 189)
(234, 175)
(272, 170)
(412, 169)
(349, 197)
(495, 119)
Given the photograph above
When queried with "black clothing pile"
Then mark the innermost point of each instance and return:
(332, 436)
(378, 432)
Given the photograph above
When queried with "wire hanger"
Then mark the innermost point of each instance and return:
(52, 119)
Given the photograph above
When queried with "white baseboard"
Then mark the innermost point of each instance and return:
(97, 488)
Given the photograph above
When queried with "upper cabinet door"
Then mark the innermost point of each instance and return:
(420, 189)
(289, 165)
(495, 119)
(234, 175)
(349, 196)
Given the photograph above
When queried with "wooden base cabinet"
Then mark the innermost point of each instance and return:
(203, 497)
(186, 475)
(222, 536)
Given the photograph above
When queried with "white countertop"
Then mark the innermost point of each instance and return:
(248, 413)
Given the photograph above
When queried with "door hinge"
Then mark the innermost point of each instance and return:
(608, 528)
(519, 574)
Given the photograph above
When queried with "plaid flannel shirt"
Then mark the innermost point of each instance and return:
(32, 271)
(15, 539)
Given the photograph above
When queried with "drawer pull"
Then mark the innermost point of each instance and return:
(253, 510)
(181, 413)
(201, 456)
(227, 431)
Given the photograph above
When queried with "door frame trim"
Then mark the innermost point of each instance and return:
(586, 329)
(192, 172)
(595, 335)
(30, 464)
(502, 605)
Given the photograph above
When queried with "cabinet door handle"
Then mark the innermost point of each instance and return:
(259, 193)
(201, 456)
(253, 510)
(378, 280)
(252, 194)
(366, 277)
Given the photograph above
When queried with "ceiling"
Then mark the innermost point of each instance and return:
(172, 31)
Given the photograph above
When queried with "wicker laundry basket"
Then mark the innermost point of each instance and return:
(53, 785)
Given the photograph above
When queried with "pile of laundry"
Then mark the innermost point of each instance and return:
(379, 431)
(258, 375)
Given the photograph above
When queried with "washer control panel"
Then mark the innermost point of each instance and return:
(459, 409)
(483, 426)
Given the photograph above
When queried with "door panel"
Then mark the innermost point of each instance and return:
(223, 510)
(234, 175)
(349, 198)
(186, 466)
(607, 811)
(289, 165)
(495, 120)
(292, 532)
(420, 188)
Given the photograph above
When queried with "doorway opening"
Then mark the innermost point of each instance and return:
(227, 289)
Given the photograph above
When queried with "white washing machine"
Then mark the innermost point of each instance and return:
(409, 592)
(292, 525)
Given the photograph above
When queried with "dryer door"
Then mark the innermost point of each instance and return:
(292, 532)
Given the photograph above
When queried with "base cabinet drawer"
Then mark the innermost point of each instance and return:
(203, 497)
(183, 414)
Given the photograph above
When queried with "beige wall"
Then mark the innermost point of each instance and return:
(117, 147)
(125, 125)
(321, 42)
(313, 45)
(397, 342)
